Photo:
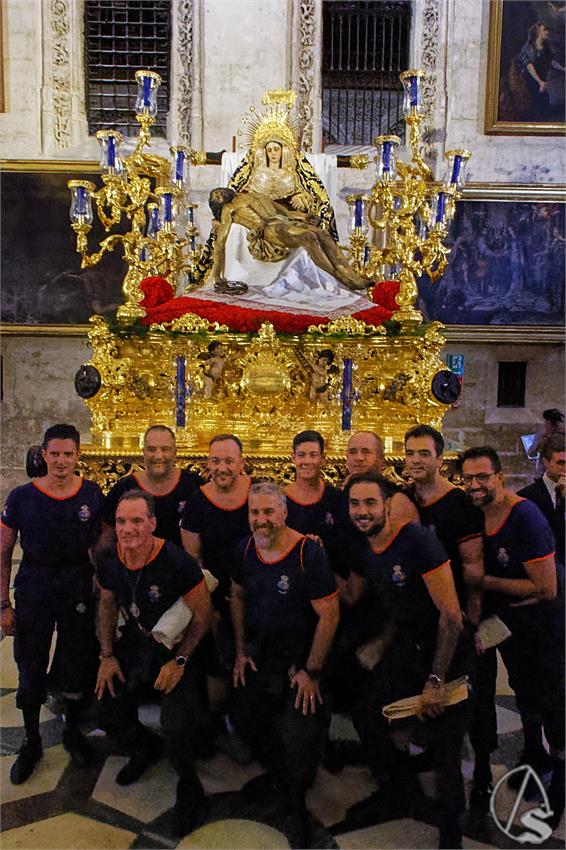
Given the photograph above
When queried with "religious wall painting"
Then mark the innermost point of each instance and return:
(506, 265)
(42, 280)
(525, 82)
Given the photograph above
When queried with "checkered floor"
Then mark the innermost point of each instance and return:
(62, 806)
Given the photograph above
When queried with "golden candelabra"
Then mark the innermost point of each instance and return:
(149, 191)
(398, 229)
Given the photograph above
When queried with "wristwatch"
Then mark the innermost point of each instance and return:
(181, 660)
(435, 681)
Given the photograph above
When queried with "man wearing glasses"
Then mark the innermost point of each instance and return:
(520, 584)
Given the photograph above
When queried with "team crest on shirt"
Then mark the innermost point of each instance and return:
(181, 507)
(84, 513)
(398, 576)
(329, 520)
(503, 556)
(283, 585)
(154, 593)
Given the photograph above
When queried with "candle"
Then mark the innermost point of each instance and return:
(181, 394)
(111, 152)
(456, 167)
(179, 165)
(386, 157)
(81, 201)
(366, 254)
(347, 395)
(358, 212)
(414, 91)
(441, 202)
(147, 92)
(167, 207)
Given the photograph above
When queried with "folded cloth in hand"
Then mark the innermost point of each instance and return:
(456, 691)
(492, 631)
(171, 625)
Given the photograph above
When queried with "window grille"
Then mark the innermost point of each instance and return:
(511, 384)
(365, 48)
(122, 36)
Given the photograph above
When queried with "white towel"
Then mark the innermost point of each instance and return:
(171, 626)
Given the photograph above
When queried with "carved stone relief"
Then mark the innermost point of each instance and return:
(182, 102)
(59, 65)
(307, 39)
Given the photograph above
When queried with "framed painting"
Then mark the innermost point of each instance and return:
(43, 285)
(506, 266)
(525, 68)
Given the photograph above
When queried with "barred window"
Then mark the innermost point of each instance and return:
(365, 48)
(122, 36)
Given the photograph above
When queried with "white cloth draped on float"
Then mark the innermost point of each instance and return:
(291, 283)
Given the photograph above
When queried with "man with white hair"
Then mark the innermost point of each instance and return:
(285, 611)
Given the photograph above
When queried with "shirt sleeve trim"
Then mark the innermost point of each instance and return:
(435, 569)
(322, 598)
(185, 596)
(540, 558)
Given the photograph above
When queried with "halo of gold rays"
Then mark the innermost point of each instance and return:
(274, 123)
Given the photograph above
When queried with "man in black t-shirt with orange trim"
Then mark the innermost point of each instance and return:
(142, 578)
(57, 518)
(284, 609)
(162, 478)
(409, 573)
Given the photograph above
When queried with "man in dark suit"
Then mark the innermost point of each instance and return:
(548, 492)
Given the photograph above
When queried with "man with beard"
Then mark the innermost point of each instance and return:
(408, 571)
(161, 477)
(285, 611)
(520, 585)
(142, 578)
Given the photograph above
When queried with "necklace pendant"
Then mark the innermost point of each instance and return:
(134, 611)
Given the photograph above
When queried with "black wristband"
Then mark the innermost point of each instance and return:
(5, 604)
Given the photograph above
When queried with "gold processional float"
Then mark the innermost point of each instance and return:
(202, 377)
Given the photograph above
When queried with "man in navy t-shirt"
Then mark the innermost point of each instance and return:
(284, 609)
(521, 586)
(408, 572)
(57, 518)
(142, 578)
(162, 478)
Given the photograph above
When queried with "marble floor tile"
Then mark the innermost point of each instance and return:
(235, 835)
(10, 716)
(67, 831)
(8, 669)
(332, 793)
(145, 799)
(46, 776)
(221, 773)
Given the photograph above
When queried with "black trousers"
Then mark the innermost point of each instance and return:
(402, 673)
(534, 658)
(183, 713)
(285, 741)
(45, 600)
